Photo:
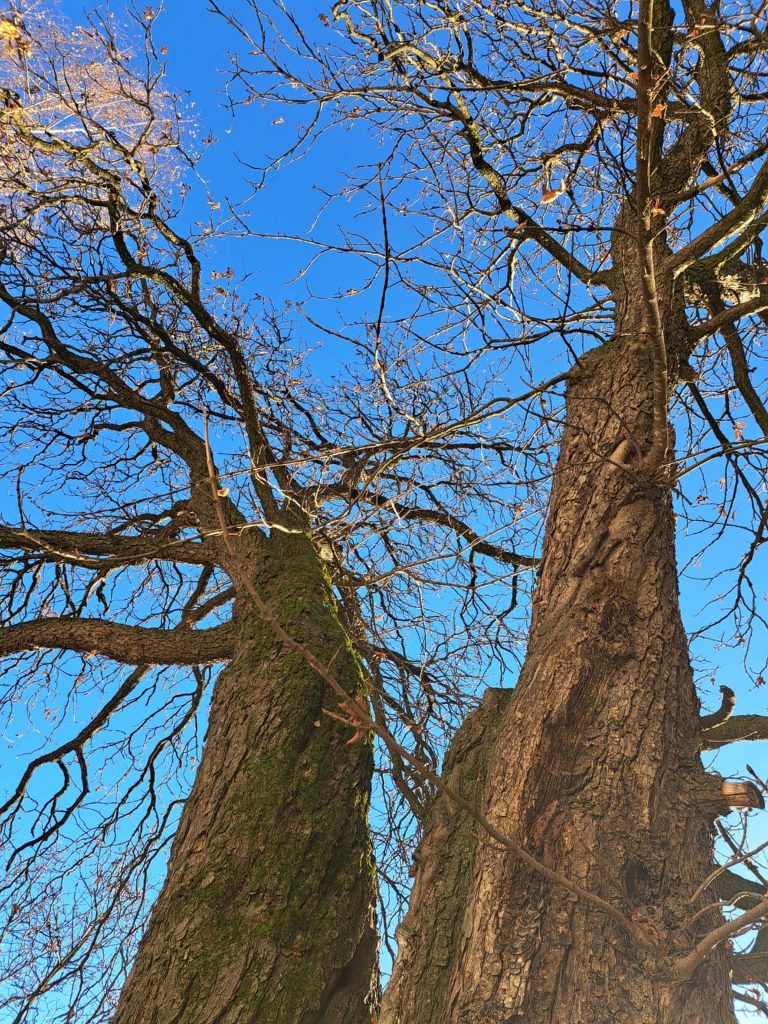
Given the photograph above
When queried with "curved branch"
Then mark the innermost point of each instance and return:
(723, 713)
(131, 645)
(728, 316)
(76, 744)
(683, 969)
(751, 967)
(711, 109)
(456, 109)
(758, 1004)
(732, 886)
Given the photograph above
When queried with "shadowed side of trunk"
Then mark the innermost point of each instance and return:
(266, 916)
(594, 768)
(428, 934)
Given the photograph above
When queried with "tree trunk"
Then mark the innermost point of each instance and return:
(594, 768)
(267, 913)
(427, 938)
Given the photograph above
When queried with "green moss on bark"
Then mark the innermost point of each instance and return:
(267, 914)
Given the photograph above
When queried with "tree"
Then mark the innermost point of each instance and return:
(593, 176)
(188, 496)
(594, 173)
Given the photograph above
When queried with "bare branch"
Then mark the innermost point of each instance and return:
(684, 968)
(98, 549)
(131, 645)
(738, 729)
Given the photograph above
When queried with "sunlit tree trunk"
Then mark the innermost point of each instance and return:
(594, 767)
(267, 916)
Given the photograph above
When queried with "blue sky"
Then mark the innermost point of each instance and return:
(198, 43)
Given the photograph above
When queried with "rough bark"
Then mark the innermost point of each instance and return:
(594, 768)
(131, 645)
(428, 935)
(266, 915)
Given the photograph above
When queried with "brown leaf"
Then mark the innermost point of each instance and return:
(549, 195)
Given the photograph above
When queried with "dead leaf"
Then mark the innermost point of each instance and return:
(549, 195)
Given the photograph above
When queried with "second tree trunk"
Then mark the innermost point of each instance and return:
(594, 767)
